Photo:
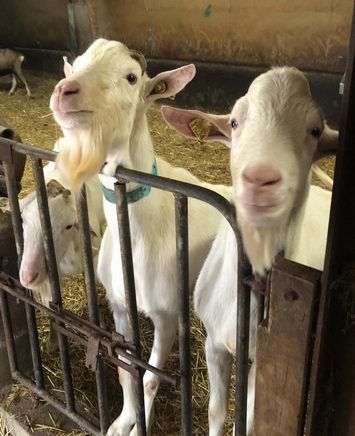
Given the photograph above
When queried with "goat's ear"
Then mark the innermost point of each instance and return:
(54, 188)
(198, 125)
(68, 69)
(168, 83)
(328, 143)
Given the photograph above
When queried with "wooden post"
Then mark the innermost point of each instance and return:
(284, 351)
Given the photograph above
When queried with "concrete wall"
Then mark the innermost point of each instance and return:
(311, 34)
(34, 24)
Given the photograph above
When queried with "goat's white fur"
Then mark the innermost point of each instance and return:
(265, 130)
(67, 246)
(125, 140)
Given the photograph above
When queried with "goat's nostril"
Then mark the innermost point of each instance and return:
(70, 88)
(71, 91)
(271, 182)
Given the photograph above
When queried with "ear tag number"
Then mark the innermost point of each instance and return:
(201, 128)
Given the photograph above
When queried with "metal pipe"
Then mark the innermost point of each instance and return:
(53, 275)
(242, 335)
(82, 422)
(87, 328)
(91, 292)
(16, 219)
(182, 259)
(130, 293)
(8, 332)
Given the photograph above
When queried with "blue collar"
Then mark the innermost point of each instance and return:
(132, 196)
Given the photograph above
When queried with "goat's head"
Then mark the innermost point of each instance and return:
(62, 211)
(275, 132)
(97, 103)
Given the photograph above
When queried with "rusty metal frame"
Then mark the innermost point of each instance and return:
(102, 345)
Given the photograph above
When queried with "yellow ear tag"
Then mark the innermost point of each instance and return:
(201, 128)
(160, 88)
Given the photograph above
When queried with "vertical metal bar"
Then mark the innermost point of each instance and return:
(8, 333)
(94, 316)
(242, 346)
(182, 258)
(53, 276)
(11, 186)
(130, 292)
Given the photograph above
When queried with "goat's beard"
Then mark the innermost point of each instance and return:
(81, 154)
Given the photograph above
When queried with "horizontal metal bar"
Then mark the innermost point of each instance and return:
(123, 174)
(14, 288)
(78, 419)
(28, 149)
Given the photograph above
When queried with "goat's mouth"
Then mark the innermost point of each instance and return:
(72, 118)
(260, 212)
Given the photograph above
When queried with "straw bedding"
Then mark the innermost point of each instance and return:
(209, 162)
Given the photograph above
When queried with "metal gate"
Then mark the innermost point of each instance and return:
(101, 344)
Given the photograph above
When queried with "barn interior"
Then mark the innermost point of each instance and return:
(230, 42)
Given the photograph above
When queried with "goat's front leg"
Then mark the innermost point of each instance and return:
(14, 83)
(122, 426)
(219, 363)
(165, 328)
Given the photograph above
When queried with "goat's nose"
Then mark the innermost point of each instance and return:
(262, 176)
(69, 88)
(28, 276)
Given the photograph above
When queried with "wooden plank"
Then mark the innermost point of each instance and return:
(284, 351)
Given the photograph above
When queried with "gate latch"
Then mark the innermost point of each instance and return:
(92, 352)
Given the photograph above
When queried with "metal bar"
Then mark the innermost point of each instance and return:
(242, 336)
(53, 276)
(81, 421)
(89, 274)
(16, 219)
(127, 175)
(130, 293)
(8, 332)
(87, 328)
(182, 259)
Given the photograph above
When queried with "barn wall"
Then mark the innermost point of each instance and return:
(311, 34)
(34, 24)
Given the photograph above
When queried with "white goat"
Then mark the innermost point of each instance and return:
(10, 63)
(66, 238)
(101, 107)
(274, 131)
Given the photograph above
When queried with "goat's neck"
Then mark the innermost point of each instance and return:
(138, 155)
(141, 145)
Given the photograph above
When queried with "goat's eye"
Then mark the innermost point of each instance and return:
(234, 123)
(69, 227)
(131, 78)
(316, 132)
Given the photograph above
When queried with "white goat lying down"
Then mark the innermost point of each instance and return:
(274, 132)
(101, 108)
(64, 221)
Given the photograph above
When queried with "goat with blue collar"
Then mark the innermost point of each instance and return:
(101, 107)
